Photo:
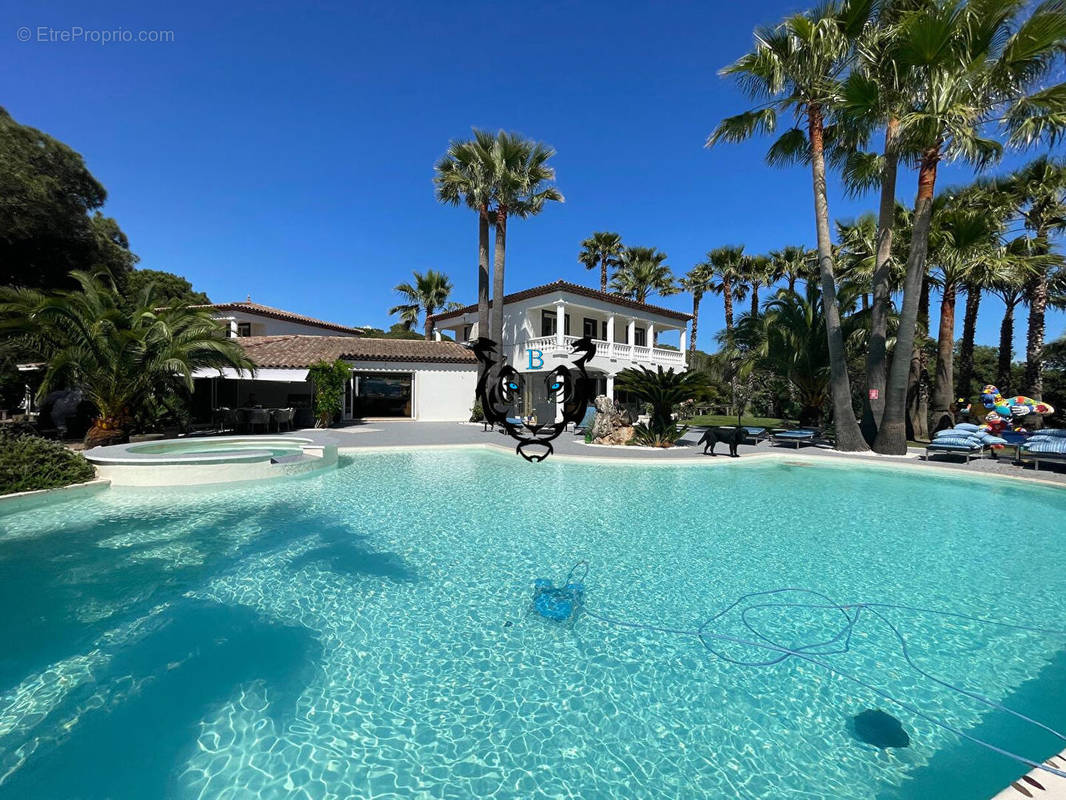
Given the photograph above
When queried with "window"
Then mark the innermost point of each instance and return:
(641, 337)
(547, 323)
(244, 329)
(603, 330)
(466, 332)
(589, 328)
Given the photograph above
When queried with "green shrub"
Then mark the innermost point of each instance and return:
(477, 413)
(30, 462)
(328, 380)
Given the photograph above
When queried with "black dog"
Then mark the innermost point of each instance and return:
(731, 436)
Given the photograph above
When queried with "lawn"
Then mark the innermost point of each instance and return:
(754, 422)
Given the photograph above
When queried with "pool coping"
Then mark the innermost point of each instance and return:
(842, 459)
(1048, 784)
(21, 501)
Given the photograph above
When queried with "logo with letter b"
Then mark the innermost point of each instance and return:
(539, 356)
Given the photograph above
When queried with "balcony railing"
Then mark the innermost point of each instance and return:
(618, 351)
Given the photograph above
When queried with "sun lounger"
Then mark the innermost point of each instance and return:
(586, 421)
(1046, 445)
(962, 441)
(796, 437)
(755, 434)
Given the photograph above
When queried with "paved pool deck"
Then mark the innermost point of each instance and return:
(406, 433)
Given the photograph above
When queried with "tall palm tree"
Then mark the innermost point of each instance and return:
(603, 250)
(428, 294)
(123, 353)
(1039, 193)
(727, 265)
(519, 176)
(794, 262)
(758, 271)
(971, 66)
(857, 253)
(796, 68)
(462, 175)
(641, 271)
(964, 242)
(697, 282)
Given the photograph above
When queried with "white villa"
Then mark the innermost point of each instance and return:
(541, 324)
(435, 381)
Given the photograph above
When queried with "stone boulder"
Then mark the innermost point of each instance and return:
(612, 424)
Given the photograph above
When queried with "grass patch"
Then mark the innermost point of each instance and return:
(724, 419)
(29, 462)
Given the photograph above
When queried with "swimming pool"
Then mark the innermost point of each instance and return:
(364, 632)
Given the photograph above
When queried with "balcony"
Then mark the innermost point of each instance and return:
(606, 352)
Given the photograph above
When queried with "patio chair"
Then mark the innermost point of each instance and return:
(282, 416)
(256, 417)
(586, 421)
(755, 434)
(796, 437)
(1045, 445)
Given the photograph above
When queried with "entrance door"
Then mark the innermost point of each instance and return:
(379, 394)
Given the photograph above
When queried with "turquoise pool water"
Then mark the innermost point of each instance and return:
(365, 633)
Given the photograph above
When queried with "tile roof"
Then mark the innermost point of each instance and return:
(278, 313)
(297, 351)
(573, 288)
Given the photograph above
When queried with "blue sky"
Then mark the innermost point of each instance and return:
(285, 150)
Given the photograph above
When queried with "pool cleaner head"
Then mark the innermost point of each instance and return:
(557, 603)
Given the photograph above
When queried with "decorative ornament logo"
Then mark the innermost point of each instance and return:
(501, 388)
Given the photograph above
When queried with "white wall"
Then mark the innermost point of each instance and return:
(441, 392)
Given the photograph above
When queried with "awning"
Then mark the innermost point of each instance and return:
(283, 375)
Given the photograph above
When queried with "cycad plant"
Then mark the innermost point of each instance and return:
(663, 390)
(124, 355)
(428, 294)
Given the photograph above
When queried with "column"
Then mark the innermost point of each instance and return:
(631, 334)
(610, 386)
(683, 344)
(610, 339)
(560, 326)
(651, 334)
(436, 334)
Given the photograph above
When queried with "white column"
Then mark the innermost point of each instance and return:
(610, 338)
(683, 345)
(560, 325)
(631, 333)
(233, 329)
(651, 334)
(610, 386)
(436, 334)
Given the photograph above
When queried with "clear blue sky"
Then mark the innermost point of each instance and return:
(285, 150)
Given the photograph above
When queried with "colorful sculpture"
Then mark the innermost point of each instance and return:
(1003, 411)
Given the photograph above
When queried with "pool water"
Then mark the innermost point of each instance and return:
(366, 633)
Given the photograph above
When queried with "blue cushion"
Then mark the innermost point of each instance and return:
(990, 438)
(967, 426)
(957, 431)
(961, 448)
(1057, 432)
(1055, 445)
(795, 434)
(754, 431)
(958, 442)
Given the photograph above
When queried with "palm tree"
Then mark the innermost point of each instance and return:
(758, 271)
(1039, 193)
(642, 271)
(795, 68)
(123, 353)
(697, 282)
(963, 244)
(794, 262)
(727, 265)
(970, 67)
(428, 294)
(519, 177)
(603, 250)
(462, 176)
(857, 253)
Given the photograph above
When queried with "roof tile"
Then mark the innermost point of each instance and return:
(297, 351)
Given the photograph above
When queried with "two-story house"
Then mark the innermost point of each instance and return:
(541, 324)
